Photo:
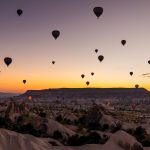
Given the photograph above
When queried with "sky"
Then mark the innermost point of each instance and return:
(28, 41)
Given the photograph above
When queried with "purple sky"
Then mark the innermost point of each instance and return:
(27, 39)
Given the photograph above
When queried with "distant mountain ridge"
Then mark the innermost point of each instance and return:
(87, 93)
(7, 95)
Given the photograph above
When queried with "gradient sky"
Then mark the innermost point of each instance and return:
(27, 39)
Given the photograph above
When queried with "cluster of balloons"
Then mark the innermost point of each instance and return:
(98, 11)
(8, 61)
(55, 33)
(100, 57)
(87, 82)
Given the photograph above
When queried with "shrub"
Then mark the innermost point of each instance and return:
(57, 135)
(91, 138)
(105, 127)
(42, 114)
(59, 118)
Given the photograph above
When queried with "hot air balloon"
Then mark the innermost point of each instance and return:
(92, 73)
(123, 42)
(8, 61)
(100, 58)
(149, 62)
(136, 86)
(24, 81)
(82, 75)
(87, 83)
(96, 50)
(19, 12)
(55, 34)
(98, 11)
(53, 62)
(131, 73)
(30, 98)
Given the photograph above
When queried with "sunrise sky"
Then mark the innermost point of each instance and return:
(28, 41)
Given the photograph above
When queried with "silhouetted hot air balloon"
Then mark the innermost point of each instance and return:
(98, 11)
(53, 62)
(87, 83)
(55, 34)
(82, 75)
(136, 86)
(131, 73)
(19, 12)
(123, 42)
(24, 81)
(96, 50)
(101, 57)
(149, 62)
(8, 61)
(92, 73)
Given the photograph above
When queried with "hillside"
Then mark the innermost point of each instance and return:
(89, 93)
(7, 95)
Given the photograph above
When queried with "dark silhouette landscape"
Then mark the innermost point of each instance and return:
(62, 66)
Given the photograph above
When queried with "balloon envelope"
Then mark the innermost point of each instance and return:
(53, 62)
(24, 81)
(82, 75)
(136, 86)
(92, 73)
(131, 73)
(123, 42)
(96, 50)
(55, 34)
(98, 11)
(87, 83)
(30, 98)
(8, 61)
(19, 12)
(149, 62)
(101, 57)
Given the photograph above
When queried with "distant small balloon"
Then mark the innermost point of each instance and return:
(92, 73)
(87, 83)
(19, 12)
(131, 73)
(149, 62)
(82, 75)
(98, 11)
(101, 57)
(96, 50)
(30, 98)
(123, 42)
(8, 61)
(53, 62)
(136, 86)
(24, 81)
(55, 34)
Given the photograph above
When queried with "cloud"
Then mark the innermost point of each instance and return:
(146, 74)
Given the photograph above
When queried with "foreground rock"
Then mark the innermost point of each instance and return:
(10, 140)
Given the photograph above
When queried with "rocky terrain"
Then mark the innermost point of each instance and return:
(72, 125)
